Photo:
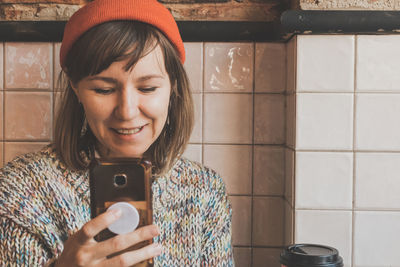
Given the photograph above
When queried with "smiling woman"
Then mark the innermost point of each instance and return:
(111, 84)
(126, 95)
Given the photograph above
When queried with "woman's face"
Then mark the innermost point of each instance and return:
(127, 110)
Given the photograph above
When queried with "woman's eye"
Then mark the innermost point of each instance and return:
(103, 91)
(148, 89)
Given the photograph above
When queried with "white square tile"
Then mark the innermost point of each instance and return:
(289, 223)
(289, 175)
(291, 63)
(377, 180)
(377, 122)
(268, 221)
(324, 180)
(269, 170)
(378, 67)
(266, 257)
(194, 152)
(197, 135)
(1, 66)
(291, 120)
(241, 220)
(228, 118)
(324, 121)
(228, 67)
(376, 238)
(325, 63)
(269, 119)
(331, 228)
(242, 256)
(233, 163)
(270, 68)
(194, 65)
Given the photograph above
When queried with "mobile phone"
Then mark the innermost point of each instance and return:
(121, 180)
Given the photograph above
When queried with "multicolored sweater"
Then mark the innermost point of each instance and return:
(42, 203)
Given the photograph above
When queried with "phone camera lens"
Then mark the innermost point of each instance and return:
(120, 180)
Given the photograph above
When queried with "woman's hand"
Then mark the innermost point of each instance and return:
(82, 250)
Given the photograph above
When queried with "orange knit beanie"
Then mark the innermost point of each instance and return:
(100, 11)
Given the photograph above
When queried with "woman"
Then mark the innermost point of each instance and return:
(126, 95)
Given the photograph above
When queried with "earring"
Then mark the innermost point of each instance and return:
(84, 126)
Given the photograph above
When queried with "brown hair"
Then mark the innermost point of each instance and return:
(94, 52)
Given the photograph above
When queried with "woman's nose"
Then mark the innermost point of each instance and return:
(128, 105)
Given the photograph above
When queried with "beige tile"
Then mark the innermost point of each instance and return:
(1, 66)
(289, 224)
(28, 65)
(269, 170)
(289, 175)
(1, 115)
(269, 119)
(196, 136)
(194, 65)
(241, 220)
(242, 256)
(233, 163)
(268, 221)
(57, 67)
(13, 149)
(194, 152)
(328, 227)
(376, 238)
(291, 120)
(270, 67)
(228, 67)
(228, 118)
(291, 63)
(1, 155)
(263, 257)
(28, 116)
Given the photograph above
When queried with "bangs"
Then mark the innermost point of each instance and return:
(108, 43)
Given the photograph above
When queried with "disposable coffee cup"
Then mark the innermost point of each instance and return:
(310, 255)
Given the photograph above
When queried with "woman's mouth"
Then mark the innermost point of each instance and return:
(129, 131)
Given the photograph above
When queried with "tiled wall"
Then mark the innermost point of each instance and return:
(347, 145)
(239, 94)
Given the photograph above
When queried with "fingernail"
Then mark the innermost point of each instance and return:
(116, 212)
(156, 230)
(157, 248)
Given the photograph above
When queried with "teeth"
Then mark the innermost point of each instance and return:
(130, 131)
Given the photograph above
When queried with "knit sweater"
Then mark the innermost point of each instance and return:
(42, 203)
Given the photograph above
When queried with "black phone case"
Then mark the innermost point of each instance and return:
(121, 179)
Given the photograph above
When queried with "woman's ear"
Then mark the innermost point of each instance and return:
(75, 89)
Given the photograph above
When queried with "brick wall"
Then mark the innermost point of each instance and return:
(220, 10)
(346, 4)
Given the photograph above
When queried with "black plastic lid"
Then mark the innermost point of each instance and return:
(310, 255)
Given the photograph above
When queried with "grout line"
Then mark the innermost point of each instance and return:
(294, 139)
(202, 99)
(285, 219)
(4, 101)
(252, 153)
(367, 92)
(372, 209)
(45, 90)
(354, 154)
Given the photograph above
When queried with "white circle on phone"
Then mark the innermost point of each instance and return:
(128, 221)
